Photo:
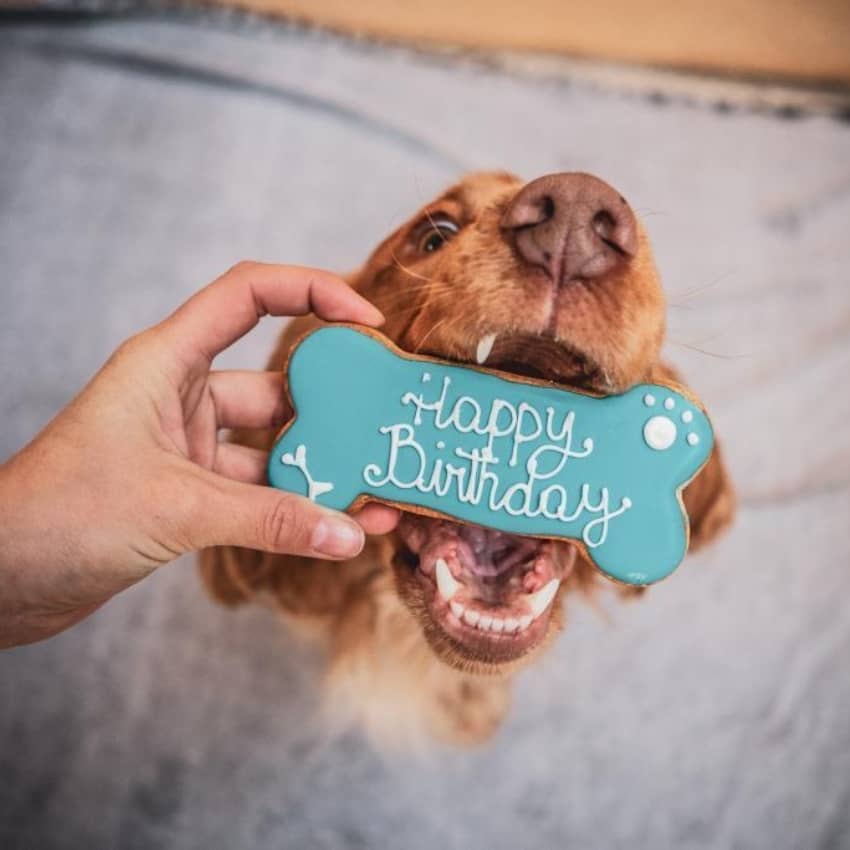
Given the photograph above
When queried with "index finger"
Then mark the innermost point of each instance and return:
(223, 312)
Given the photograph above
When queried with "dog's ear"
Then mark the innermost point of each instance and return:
(710, 501)
(586, 579)
(231, 575)
(710, 498)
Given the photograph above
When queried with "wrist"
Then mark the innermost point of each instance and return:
(39, 555)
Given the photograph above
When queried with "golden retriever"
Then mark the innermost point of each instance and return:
(553, 279)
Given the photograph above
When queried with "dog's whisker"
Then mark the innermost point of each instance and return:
(434, 327)
(417, 287)
(698, 290)
(423, 286)
(420, 291)
(717, 354)
(431, 220)
(447, 326)
(427, 295)
(390, 311)
(435, 296)
(406, 269)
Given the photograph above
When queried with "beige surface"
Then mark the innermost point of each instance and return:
(785, 37)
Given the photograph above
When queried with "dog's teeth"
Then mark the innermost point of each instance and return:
(525, 622)
(447, 584)
(497, 625)
(485, 346)
(538, 602)
(471, 617)
(457, 609)
(511, 624)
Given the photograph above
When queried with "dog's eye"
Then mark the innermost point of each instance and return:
(438, 231)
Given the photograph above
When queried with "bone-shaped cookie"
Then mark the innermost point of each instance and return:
(525, 457)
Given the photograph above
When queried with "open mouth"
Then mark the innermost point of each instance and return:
(540, 357)
(492, 594)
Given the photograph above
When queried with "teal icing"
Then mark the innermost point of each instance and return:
(525, 459)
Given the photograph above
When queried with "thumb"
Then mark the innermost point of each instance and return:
(255, 517)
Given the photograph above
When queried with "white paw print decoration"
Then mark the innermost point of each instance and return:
(660, 431)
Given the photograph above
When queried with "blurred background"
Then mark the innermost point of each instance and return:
(145, 148)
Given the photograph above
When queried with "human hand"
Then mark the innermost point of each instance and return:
(130, 475)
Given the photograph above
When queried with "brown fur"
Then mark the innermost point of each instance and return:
(390, 666)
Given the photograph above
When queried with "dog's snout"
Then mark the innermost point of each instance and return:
(571, 225)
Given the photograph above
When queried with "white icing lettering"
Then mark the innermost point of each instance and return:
(543, 438)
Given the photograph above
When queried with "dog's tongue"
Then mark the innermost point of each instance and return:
(492, 567)
(484, 552)
(481, 552)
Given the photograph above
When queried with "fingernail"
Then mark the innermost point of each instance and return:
(337, 537)
(378, 317)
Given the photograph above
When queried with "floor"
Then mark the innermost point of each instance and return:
(139, 159)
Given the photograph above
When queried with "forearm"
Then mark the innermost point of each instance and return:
(46, 580)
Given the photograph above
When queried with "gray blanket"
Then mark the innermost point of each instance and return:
(138, 159)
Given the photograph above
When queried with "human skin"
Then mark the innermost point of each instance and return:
(131, 474)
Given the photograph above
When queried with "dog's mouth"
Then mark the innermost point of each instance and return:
(493, 594)
(540, 357)
(530, 355)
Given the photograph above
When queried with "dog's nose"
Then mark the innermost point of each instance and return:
(572, 225)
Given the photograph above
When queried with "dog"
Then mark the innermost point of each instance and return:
(555, 280)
